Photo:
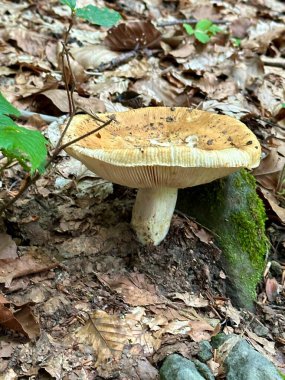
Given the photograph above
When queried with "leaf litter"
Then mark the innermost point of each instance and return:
(110, 299)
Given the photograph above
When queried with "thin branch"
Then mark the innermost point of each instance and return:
(280, 64)
(27, 114)
(187, 21)
(64, 146)
(122, 58)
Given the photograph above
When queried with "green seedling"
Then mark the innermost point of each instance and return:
(98, 16)
(236, 41)
(203, 31)
(18, 143)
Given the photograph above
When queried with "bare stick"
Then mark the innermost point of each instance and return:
(280, 64)
(27, 114)
(187, 21)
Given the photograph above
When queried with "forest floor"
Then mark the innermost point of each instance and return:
(80, 298)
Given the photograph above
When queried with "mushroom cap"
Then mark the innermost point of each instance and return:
(162, 146)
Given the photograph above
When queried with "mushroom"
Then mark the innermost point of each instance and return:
(159, 150)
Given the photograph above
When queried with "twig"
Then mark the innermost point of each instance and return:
(188, 217)
(187, 21)
(27, 114)
(274, 64)
(122, 58)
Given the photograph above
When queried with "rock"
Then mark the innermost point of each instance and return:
(276, 268)
(175, 367)
(219, 339)
(244, 363)
(204, 370)
(261, 330)
(205, 351)
(231, 208)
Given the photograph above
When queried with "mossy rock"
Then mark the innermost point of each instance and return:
(231, 208)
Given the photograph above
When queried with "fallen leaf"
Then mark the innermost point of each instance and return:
(108, 335)
(191, 300)
(200, 330)
(271, 289)
(8, 248)
(133, 35)
(135, 289)
(278, 210)
(92, 56)
(28, 41)
(22, 321)
(22, 266)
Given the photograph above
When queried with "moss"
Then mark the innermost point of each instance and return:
(231, 208)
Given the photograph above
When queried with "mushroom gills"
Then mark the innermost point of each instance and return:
(152, 213)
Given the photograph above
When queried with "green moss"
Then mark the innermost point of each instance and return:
(231, 208)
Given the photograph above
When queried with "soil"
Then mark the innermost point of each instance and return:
(88, 245)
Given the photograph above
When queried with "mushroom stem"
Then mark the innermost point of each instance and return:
(152, 213)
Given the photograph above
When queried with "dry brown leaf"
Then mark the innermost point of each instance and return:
(231, 313)
(220, 60)
(28, 41)
(174, 327)
(271, 93)
(92, 56)
(248, 72)
(108, 335)
(262, 34)
(22, 321)
(267, 345)
(271, 289)
(183, 51)
(135, 289)
(200, 330)
(24, 265)
(214, 88)
(156, 88)
(8, 248)
(278, 210)
(267, 173)
(133, 35)
(191, 300)
(60, 101)
(239, 27)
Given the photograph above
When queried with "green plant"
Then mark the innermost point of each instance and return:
(98, 16)
(236, 41)
(18, 143)
(203, 30)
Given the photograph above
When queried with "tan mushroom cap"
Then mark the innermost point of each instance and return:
(162, 146)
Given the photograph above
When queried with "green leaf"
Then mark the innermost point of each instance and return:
(188, 29)
(70, 3)
(236, 41)
(26, 146)
(99, 16)
(203, 25)
(6, 108)
(5, 120)
(202, 36)
(283, 105)
(214, 29)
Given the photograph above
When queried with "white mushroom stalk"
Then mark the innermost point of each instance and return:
(152, 213)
